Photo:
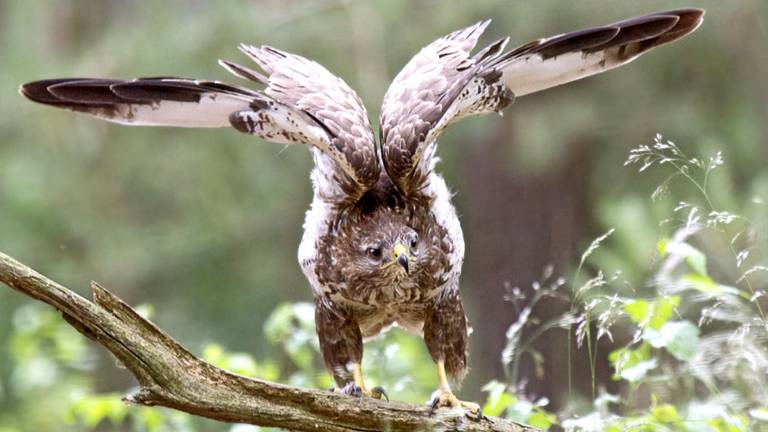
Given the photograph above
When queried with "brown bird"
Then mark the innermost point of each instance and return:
(382, 245)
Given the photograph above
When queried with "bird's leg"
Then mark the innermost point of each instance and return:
(444, 396)
(357, 373)
(445, 333)
(358, 388)
(342, 346)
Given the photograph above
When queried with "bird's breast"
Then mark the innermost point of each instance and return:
(374, 322)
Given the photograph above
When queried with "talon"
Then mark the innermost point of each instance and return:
(444, 399)
(473, 409)
(378, 392)
(351, 389)
(479, 416)
(354, 390)
(433, 404)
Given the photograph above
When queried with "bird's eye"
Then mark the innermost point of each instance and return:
(414, 242)
(374, 252)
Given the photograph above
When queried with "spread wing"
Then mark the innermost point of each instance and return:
(302, 103)
(549, 62)
(431, 90)
(445, 83)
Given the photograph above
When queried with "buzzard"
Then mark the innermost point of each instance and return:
(382, 244)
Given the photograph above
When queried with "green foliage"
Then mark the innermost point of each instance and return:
(679, 338)
(92, 411)
(292, 326)
(204, 224)
(501, 401)
(700, 375)
(632, 364)
(653, 314)
(240, 363)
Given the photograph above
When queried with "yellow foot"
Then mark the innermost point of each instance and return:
(355, 390)
(441, 399)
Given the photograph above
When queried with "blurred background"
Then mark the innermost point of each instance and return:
(201, 227)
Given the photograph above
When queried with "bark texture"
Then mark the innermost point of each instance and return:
(171, 376)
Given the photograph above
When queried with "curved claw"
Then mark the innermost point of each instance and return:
(447, 399)
(378, 392)
(354, 390)
(351, 389)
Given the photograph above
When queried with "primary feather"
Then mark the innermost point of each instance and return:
(382, 243)
(549, 62)
(144, 101)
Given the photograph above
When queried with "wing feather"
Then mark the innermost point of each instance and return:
(314, 93)
(302, 103)
(144, 102)
(430, 92)
(443, 83)
(549, 62)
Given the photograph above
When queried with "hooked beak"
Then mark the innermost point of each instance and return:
(399, 256)
(402, 259)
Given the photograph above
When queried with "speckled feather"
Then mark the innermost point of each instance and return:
(364, 201)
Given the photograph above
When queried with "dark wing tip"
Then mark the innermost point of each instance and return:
(154, 90)
(95, 92)
(688, 21)
(639, 29)
(576, 41)
(691, 14)
(38, 91)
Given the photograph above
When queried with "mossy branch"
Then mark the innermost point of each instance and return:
(171, 376)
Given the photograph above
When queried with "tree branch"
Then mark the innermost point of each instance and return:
(171, 376)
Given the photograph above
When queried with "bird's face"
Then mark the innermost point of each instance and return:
(383, 256)
(385, 249)
(394, 255)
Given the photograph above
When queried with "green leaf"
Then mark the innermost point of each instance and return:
(663, 310)
(665, 414)
(151, 419)
(638, 310)
(639, 370)
(541, 419)
(679, 338)
(732, 424)
(520, 411)
(632, 364)
(707, 285)
(239, 363)
(292, 325)
(92, 410)
(693, 257)
(652, 314)
(498, 399)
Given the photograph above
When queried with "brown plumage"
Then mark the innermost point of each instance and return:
(382, 245)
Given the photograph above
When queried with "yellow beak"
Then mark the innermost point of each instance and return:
(400, 256)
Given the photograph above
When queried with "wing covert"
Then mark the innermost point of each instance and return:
(440, 85)
(302, 103)
(443, 83)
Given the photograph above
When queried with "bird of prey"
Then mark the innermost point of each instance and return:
(382, 244)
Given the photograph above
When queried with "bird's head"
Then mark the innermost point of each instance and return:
(396, 253)
(382, 248)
